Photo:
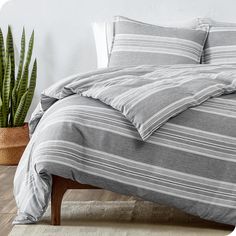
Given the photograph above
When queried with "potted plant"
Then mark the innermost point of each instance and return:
(16, 94)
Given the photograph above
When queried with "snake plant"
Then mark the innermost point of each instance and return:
(16, 90)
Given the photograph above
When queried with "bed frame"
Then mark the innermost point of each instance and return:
(59, 187)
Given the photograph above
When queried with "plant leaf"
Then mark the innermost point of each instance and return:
(13, 101)
(30, 49)
(30, 94)
(17, 121)
(2, 59)
(22, 57)
(23, 84)
(10, 53)
(6, 91)
(1, 114)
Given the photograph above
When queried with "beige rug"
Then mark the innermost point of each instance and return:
(123, 218)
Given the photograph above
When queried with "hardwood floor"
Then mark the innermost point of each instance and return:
(8, 207)
(7, 203)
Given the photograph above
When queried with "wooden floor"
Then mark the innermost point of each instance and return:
(8, 207)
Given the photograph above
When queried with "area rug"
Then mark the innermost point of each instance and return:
(121, 218)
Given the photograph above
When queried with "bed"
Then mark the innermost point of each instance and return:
(155, 124)
(81, 132)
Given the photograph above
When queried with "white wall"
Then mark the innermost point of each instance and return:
(64, 41)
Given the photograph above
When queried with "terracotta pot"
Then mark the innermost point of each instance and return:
(12, 144)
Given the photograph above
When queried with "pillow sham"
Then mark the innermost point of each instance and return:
(137, 43)
(103, 35)
(214, 23)
(220, 47)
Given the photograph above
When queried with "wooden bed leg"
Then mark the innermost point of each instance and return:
(58, 190)
(59, 187)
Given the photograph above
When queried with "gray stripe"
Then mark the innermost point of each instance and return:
(137, 43)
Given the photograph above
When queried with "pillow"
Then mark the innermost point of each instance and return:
(103, 34)
(137, 43)
(220, 46)
(211, 22)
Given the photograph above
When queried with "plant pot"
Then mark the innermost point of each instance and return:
(12, 144)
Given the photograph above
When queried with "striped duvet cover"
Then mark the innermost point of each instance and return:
(188, 162)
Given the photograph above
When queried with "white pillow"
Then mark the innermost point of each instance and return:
(103, 34)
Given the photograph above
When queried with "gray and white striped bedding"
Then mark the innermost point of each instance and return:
(188, 163)
(220, 45)
(137, 43)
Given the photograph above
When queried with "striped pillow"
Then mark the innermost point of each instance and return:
(214, 23)
(220, 46)
(137, 43)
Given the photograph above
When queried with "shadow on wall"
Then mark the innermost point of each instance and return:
(45, 76)
(47, 53)
(63, 46)
(2, 3)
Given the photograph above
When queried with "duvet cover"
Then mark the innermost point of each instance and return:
(165, 134)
